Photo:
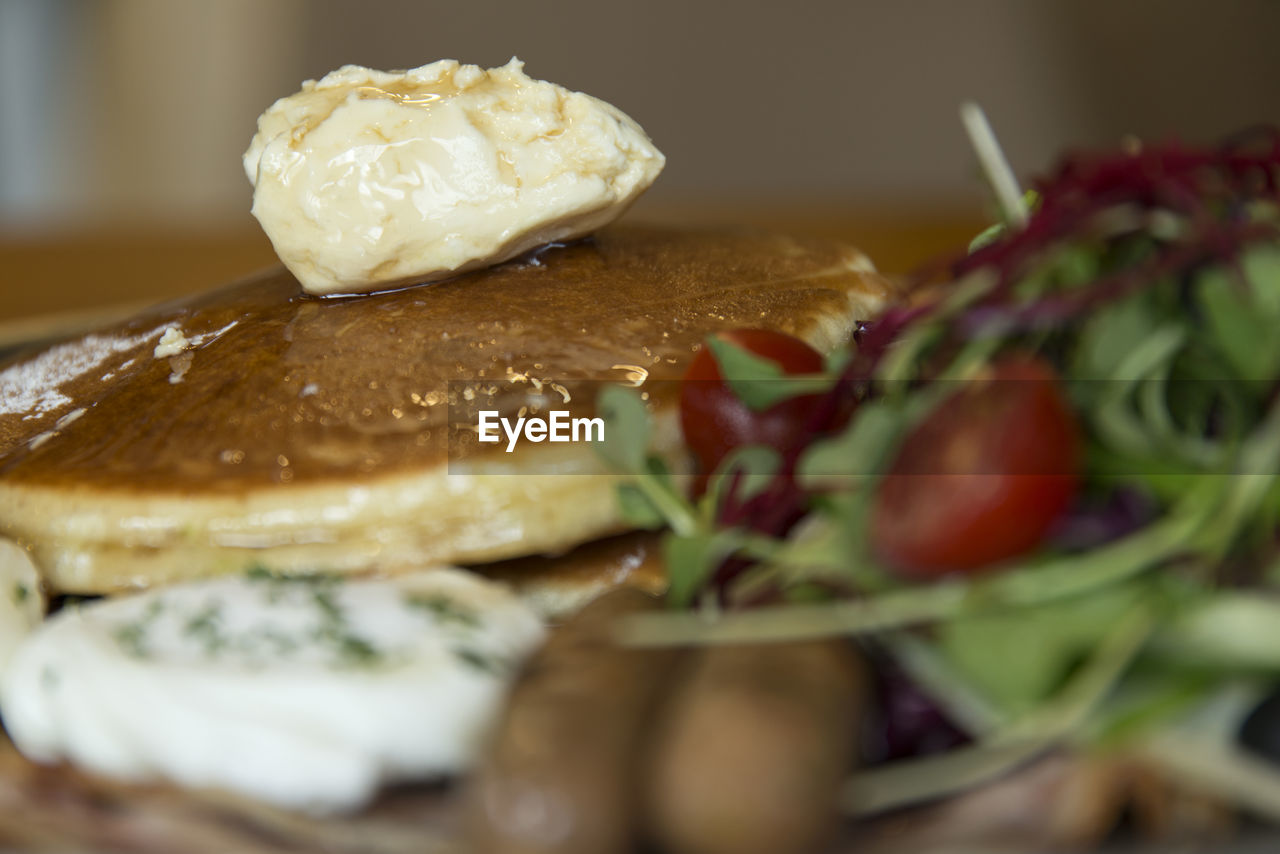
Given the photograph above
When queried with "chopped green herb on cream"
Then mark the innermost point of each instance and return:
(443, 609)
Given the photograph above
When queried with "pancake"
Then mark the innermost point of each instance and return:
(303, 434)
(561, 585)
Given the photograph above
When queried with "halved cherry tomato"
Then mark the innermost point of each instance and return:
(983, 477)
(715, 421)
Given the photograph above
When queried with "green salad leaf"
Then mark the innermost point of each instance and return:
(1019, 657)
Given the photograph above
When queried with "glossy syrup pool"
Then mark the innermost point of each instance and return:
(289, 388)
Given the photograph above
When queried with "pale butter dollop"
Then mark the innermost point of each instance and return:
(306, 693)
(368, 179)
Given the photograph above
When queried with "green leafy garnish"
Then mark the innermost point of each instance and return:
(205, 626)
(356, 651)
(1146, 284)
(626, 441)
(480, 661)
(443, 609)
(689, 560)
(132, 636)
(1017, 658)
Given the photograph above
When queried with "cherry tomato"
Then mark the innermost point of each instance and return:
(982, 478)
(715, 421)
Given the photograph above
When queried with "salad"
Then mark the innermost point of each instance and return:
(1042, 495)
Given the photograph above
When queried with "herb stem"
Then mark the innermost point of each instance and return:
(679, 515)
(1065, 577)
(1087, 690)
(995, 166)
(795, 622)
(912, 781)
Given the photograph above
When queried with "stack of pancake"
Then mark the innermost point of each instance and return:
(304, 434)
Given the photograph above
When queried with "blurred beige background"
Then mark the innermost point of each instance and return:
(141, 108)
(129, 116)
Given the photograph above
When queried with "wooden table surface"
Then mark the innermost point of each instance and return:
(57, 283)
